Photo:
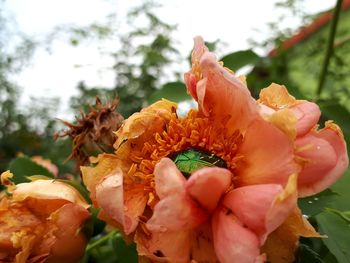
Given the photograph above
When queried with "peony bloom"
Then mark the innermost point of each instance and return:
(42, 221)
(222, 183)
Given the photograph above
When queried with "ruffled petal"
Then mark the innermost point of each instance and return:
(175, 210)
(267, 156)
(232, 241)
(150, 120)
(262, 208)
(123, 206)
(213, 178)
(220, 94)
(276, 96)
(325, 158)
(307, 114)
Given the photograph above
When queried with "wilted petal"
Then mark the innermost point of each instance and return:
(276, 96)
(175, 210)
(233, 242)
(123, 206)
(307, 114)
(262, 208)
(267, 155)
(213, 178)
(325, 155)
(150, 120)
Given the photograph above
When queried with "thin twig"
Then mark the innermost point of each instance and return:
(329, 50)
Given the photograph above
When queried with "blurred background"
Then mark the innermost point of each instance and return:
(57, 56)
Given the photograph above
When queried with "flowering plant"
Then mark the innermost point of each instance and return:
(222, 183)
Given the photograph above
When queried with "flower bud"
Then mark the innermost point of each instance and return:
(42, 221)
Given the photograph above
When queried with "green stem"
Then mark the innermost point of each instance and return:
(329, 50)
(100, 241)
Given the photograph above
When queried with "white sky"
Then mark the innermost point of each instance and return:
(56, 73)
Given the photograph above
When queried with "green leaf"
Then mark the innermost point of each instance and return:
(99, 225)
(342, 188)
(307, 255)
(315, 204)
(239, 59)
(338, 231)
(174, 91)
(126, 253)
(23, 167)
(332, 110)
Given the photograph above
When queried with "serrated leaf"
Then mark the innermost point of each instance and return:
(315, 204)
(239, 59)
(174, 91)
(338, 231)
(23, 167)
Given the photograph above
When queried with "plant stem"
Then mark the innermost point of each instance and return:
(100, 241)
(329, 50)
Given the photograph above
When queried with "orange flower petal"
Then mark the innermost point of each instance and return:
(175, 210)
(233, 242)
(106, 164)
(151, 119)
(326, 159)
(48, 189)
(262, 208)
(213, 178)
(70, 241)
(267, 156)
(307, 114)
(276, 96)
(202, 244)
(220, 94)
(168, 246)
(120, 204)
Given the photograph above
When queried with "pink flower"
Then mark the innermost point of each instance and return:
(268, 151)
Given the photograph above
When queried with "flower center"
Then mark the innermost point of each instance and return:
(190, 160)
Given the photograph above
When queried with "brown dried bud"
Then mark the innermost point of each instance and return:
(94, 131)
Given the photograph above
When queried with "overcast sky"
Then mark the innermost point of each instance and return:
(57, 73)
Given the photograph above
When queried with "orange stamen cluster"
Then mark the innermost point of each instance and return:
(193, 131)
